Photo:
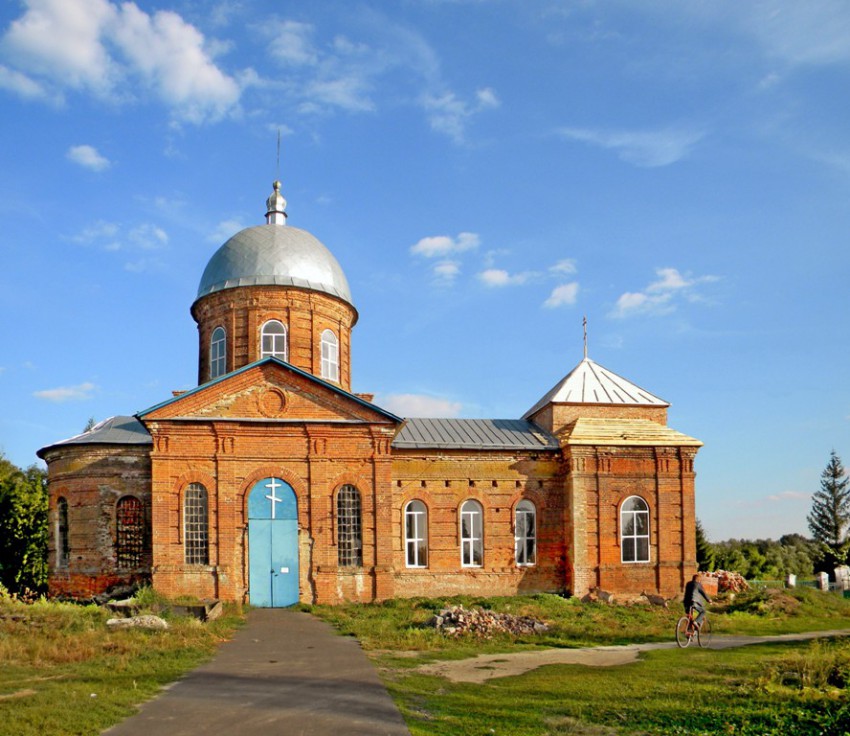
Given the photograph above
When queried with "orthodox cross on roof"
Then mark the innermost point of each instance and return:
(584, 324)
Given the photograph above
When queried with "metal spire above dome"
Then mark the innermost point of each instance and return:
(276, 206)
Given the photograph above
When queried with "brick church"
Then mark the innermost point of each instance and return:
(272, 483)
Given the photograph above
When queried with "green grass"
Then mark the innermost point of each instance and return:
(62, 672)
(753, 691)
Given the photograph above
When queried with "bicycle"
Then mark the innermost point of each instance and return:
(687, 630)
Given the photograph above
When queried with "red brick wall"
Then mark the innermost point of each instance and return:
(93, 478)
(600, 480)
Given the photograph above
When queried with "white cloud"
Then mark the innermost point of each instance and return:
(291, 43)
(648, 149)
(419, 405)
(60, 40)
(89, 157)
(499, 277)
(148, 237)
(448, 114)
(566, 266)
(169, 54)
(225, 230)
(565, 294)
(111, 236)
(80, 392)
(446, 271)
(442, 245)
(104, 48)
(22, 85)
(660, 296)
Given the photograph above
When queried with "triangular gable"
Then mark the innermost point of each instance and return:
(270, 390)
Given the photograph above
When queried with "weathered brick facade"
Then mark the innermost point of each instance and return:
(610, 486)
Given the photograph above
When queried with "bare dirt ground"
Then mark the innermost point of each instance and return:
(489, 666)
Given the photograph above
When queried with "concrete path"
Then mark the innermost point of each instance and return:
(490, 666)
(285, 672)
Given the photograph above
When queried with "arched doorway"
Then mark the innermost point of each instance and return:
(272, 544)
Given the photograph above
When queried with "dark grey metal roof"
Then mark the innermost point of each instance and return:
(112, 431)
(473, 434)
(279, 255)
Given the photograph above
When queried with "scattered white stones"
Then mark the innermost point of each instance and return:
(151, 623)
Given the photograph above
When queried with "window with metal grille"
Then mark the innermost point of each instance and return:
(218, 353)
(130, 533)
(525, 533)
(196, 525)
(274, 340)
(471, 534)
(634, 530)
(348, 527)
(330, 356)
(416, 534)
(63, 543)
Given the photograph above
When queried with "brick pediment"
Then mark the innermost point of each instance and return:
(273, 391)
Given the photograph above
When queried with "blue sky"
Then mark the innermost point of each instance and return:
(486, 172)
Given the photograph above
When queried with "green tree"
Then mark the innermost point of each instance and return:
(23, 527)
(830, 515)
(706, 556)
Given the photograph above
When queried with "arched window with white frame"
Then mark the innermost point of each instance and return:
(525, 533)
(634, 530)
(471, 534)
(218, 353)
(416, 534)
(273, 340)
(330, 356)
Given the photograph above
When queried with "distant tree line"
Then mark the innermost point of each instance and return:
(766, 559)
(23, 528)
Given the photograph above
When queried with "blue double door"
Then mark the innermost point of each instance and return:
(272, 544)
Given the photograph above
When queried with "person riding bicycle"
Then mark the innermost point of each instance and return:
(696, 598)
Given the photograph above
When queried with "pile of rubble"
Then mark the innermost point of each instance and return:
(456, 621)
(732, 582)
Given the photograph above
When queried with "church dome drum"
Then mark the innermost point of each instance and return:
(274, 290)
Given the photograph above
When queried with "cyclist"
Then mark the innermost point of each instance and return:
(696, 597)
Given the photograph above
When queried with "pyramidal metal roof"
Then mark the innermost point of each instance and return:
(591, 383)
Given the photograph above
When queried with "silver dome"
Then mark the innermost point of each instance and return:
(274, 255)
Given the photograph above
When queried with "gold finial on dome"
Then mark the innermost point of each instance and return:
(276, 206)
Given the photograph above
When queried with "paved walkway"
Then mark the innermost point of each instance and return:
(490, 666)
(284, 672)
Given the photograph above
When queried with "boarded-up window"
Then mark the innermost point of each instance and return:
(349, 528)
(196, 525)
(63, 542)
(130, 536)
